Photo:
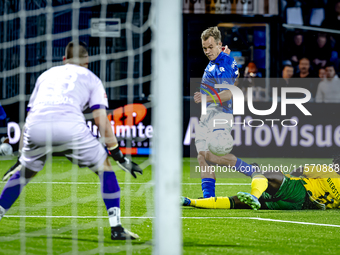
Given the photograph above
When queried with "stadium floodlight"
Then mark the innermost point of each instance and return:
(167, 119)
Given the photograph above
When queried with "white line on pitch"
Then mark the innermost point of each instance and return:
(133, 183)
(298, 222)
(266, 219)
(198, 218)
(71, 217)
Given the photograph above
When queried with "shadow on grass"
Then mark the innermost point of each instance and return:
(134, 242)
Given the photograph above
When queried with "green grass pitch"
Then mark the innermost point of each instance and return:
(79, 217)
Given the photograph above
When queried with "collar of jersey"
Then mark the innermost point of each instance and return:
(219, 57)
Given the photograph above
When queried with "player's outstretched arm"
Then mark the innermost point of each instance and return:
(110, 140)
(104, 127)
(225, 95)
(123, 162)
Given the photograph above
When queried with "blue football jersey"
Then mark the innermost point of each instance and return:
(221, 70)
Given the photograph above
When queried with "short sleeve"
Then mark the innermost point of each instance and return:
(228, 73)
(233, 70)
(98, 97)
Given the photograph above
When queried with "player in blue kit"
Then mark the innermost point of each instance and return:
(222, 69)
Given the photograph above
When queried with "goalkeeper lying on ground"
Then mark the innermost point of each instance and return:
(309, 187)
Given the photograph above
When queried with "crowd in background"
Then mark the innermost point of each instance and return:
(323, 82)
(310, 58)
(314, 57)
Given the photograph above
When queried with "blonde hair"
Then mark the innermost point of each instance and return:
(211, 31)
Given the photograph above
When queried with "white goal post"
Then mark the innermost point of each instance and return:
(167, 121)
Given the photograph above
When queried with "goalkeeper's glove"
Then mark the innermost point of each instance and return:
(124, 163)
(16, 167)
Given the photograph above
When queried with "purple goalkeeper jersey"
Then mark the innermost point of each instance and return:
(62, 93)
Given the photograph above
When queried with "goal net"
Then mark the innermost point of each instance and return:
(33, 36)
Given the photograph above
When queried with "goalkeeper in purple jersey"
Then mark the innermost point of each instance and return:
(55, 123)
(222, 69)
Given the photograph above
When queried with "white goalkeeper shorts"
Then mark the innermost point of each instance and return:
(214, 119)
(72, 140)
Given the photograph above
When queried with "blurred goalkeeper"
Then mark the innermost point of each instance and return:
(55, 123)
(308, 187)
(222, 69)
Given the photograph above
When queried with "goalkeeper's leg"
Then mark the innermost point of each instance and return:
(13, 188)
(111, 196)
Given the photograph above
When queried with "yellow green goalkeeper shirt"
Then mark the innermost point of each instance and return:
(323, 184)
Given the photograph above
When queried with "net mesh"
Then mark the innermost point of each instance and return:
(33, 37)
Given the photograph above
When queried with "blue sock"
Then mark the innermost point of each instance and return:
(110, 189)
(244, 168)
(208, 187)
(11, 191)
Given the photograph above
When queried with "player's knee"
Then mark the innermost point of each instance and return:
(227, 160)
(212, 158)
(201, 156)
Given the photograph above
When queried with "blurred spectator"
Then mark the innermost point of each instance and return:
(329, 89)
(296, 49)
(251, 79)
(285, 81)
(287, 73)
(332, 21)
(308, 83)
(304, 69)
(322, 74)
(251, 71)
(321, 51)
